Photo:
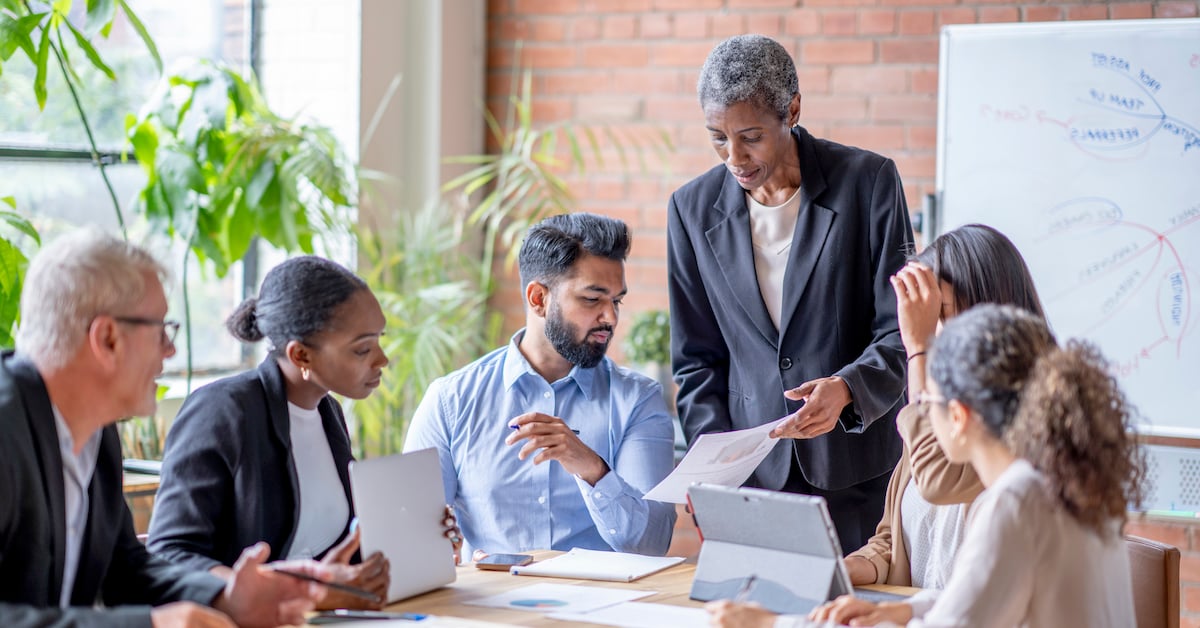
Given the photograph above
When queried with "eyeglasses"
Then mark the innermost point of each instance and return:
(170, 329)
(927, 397)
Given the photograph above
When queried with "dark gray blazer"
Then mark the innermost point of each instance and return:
(228, 477)
(114, 568)
(839, 312)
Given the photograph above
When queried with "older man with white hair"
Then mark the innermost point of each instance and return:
(91, 344)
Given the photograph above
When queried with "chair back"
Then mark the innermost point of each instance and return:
(1155, 570)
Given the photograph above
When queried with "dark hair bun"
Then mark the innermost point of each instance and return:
(243, 323)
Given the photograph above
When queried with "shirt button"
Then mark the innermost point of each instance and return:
(598, 495)
(546, 394)
(612, 530)
(541, 499)
(785, 364)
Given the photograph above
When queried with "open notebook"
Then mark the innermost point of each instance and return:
(596, 565)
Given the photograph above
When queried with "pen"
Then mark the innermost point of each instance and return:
(743, 593)
(345, 588)
(517, 427)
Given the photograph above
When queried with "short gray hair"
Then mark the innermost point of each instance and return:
(749, 68)
(70, 282)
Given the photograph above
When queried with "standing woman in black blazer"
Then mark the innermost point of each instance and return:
(263, 455)
(778, 262)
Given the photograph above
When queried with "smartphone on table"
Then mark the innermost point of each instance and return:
(341, 615)
(501, 562)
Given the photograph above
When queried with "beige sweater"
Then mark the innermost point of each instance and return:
(939, 482)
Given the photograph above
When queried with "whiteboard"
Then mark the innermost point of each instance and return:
(1081, 142)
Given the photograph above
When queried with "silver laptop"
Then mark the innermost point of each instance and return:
(787, 541)
(400, 506)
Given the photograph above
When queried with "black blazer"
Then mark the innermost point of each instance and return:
(839, 311)
(114, 568)
(228, 477)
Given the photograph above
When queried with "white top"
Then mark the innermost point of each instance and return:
(771, 231)
(1026, 562)
(932, 535)
(323, 507)
(77, 475)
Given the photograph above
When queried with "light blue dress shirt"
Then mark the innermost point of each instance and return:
(505, 504)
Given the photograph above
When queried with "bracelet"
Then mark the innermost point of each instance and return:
(910, 358)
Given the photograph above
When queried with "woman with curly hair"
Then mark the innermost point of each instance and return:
(1046, 430)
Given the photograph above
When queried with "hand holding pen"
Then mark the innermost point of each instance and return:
(743, 594)
(359, 586)
(739, 611)
(556, 442)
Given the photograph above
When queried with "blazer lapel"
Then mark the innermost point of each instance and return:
(734, 253)
(45, 436)
(812, 229)
(104, 519)
(281, 430)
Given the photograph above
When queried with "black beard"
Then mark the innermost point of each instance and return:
(561, 335)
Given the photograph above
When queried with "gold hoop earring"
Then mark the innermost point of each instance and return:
(305, 373)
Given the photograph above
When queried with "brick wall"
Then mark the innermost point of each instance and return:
(868, 75)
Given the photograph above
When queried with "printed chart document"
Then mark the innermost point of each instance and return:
(596, 565)
(429, 620)
(640, 615)
(559, 598)
(724, 458)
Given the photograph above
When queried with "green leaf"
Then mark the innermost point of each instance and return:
(16, 34)
(65, 62)
(11, 201)
(145, 145)
(12, 271)
(19, 222)
(91, 53)
(100, 14)
(43, 57)
(178, 174)
(141, 31)
(158, 212)
(63, 7)
(239, 230)
(263, 177)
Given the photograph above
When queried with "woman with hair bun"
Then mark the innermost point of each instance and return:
(263, 455)
(1046, 430)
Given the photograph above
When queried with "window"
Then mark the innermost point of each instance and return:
(45, 161)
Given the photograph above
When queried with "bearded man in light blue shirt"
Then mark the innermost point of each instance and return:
(545, 443)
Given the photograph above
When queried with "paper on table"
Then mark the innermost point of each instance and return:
(559, 598)
(640, 615)
(725, 458)
(597, 565)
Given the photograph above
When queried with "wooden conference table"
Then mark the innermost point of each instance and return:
(671, 585)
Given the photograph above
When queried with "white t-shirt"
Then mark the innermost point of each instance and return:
(932, 535)
(771, 231)
(323, 507)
